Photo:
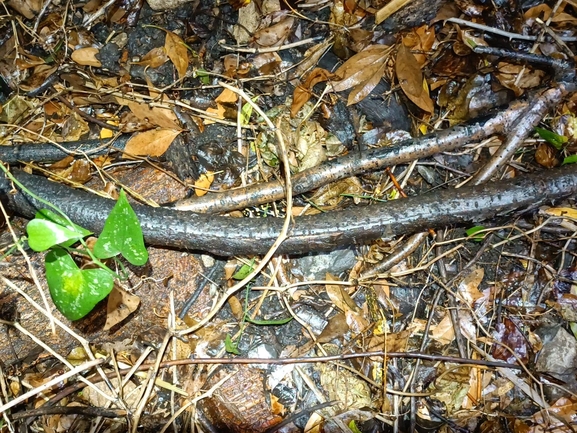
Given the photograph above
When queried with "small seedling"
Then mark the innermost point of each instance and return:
(76, 291)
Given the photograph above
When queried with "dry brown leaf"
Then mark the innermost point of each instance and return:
(420, 39)
(469, 287)
(275, 35)
(361, 66)
(154, 58)
(311, 58)
(339, 297)
(28, 8)
(151, 143)
(357, 322)
(443, 331)
(176, 51)
(509, 75)
(86, 57)
(158, 116)
(29, 61)
(302, 92)
(120, 305)
(362, 72)
(203, 183)
(546, 156)
(411, 79)
(228, 97)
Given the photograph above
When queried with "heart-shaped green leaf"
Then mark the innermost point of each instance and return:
(122, 234)
(74, 291)
(49, 229)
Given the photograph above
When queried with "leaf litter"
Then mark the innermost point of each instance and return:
(505, 294)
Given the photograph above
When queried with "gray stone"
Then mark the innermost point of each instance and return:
(559, 355)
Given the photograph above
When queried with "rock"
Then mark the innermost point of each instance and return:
(162, 5)
(559, 355)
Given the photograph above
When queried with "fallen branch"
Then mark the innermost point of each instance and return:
(225, 236)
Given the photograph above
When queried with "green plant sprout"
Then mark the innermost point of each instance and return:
(76, 291)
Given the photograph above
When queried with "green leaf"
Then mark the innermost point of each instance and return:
(203, 76)
(267, 322)
(75, 291)
(353, 426)
(246, 111)
(49, 229)
(230, 346)
(244, 270)
(49, 215)
(551, 137)
(573, 326)
(122, 234)
(572, 159)
(471, 233)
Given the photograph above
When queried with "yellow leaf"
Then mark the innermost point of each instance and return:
(566, 212)
(86, 56)
(151, 143)
(227, 96)
(203, 183)
(177, 53)
(108, 133)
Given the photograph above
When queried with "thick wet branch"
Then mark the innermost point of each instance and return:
(324, 232)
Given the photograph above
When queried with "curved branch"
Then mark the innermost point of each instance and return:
(225, 236)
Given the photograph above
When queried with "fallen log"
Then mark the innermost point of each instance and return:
(224, 236)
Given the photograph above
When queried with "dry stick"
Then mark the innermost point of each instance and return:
(453, 311)
(45, 386)
(282, 235)
(529, 118)
(270, 49)
(71, 410)
(86, 116)
(83, 342)
(150, 384)
(503, 32)
(299, 360)
(526, 124)
(403, 152)
(350, 165)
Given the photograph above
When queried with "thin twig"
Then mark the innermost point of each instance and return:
(503, 32)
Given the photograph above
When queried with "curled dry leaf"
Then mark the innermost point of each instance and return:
(86, 57)
(546, 156)
(151, 143)
(411, 79)
(362, 72)
(303, 92)
(154, 58)
(176, 51)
